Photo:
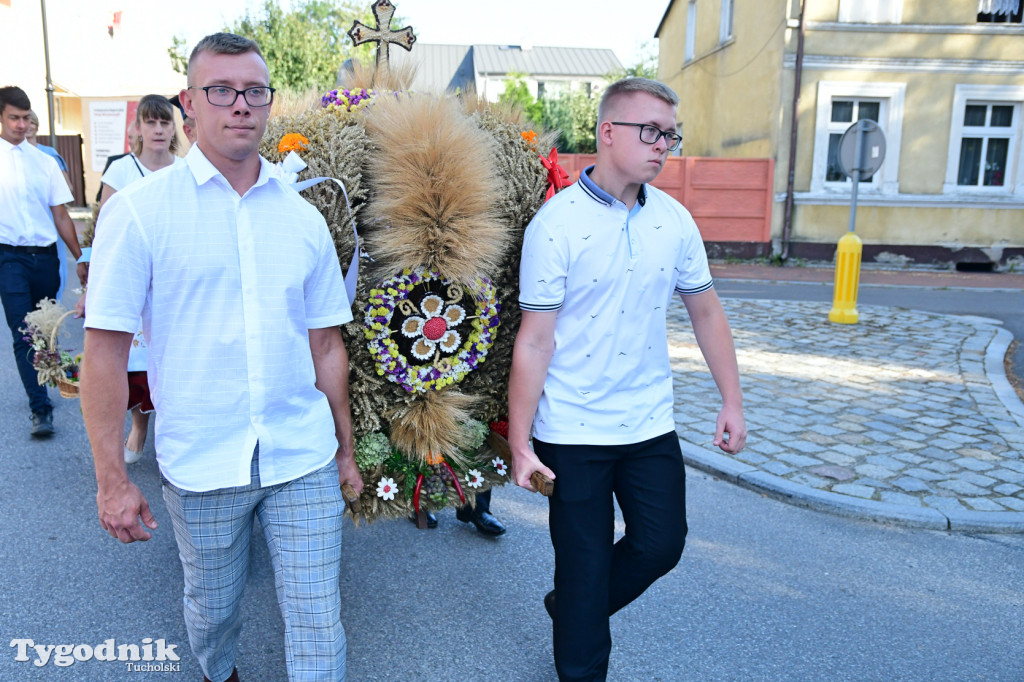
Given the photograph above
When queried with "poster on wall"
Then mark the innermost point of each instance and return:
(107, 123)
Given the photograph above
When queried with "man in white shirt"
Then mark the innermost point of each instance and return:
(33, 194)
(591, 378)
(241, 296)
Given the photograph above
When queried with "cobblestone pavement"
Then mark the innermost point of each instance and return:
(905, 417)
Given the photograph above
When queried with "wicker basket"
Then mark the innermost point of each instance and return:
(67, 388)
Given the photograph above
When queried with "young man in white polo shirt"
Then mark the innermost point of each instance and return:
(591, 377)
(33, 194)
(241, 295)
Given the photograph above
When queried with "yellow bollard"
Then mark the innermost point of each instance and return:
(844, 298)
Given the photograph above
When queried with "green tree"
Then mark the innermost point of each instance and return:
(518, 93)
(305, 46)
(574, 115)
(645, 67)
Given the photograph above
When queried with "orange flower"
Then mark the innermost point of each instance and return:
(292, 142)
(530, 137)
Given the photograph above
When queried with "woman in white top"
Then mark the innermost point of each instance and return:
(154, 149)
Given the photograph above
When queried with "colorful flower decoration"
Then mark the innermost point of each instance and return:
(386, 488)
(530, 137)
(436, 330)
(420, 332)
(499, 465)
(346, 100)
(292, 142)
(474, 479)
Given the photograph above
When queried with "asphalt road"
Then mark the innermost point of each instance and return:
(765, 591)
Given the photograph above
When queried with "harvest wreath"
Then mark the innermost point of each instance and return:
(440, 189)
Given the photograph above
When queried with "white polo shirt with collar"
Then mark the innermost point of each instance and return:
(228, 287)
(610, 273)
(30, 184)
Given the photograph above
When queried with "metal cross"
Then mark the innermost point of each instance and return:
(383, 11)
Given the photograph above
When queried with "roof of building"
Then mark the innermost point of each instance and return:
(438, 67)
(544, 61)
(664, 17)
(451, 67)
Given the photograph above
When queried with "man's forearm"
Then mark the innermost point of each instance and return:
(66, 230)
(525, 386)
(104, 387)
(330, 363)
(714, 337)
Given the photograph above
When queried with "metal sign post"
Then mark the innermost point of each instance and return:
(861, 151)
(49, 81)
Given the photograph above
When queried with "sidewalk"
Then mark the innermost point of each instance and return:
(905, 417)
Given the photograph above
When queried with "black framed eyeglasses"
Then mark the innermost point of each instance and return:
(225, 96)
(650, 134)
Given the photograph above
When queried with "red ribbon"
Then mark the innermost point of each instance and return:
(557, 177)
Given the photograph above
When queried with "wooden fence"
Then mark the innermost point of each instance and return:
(730, 199)
(70, 149)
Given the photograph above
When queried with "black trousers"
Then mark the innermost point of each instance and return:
(594, 576)
(25, 279)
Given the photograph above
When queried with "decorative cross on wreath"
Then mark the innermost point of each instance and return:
(383, 11)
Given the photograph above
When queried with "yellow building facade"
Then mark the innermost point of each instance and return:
(944, 81)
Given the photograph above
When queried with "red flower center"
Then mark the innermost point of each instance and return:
(434, 328)
(387, 488)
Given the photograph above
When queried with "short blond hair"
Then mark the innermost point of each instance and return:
(628, 86)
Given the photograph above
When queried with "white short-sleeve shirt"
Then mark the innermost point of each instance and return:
(120, 174)
(129, 169)
(30, 184)
(610, 273)
(227, 288)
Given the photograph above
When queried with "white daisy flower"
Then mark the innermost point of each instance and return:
(386, 488)
(474, 479)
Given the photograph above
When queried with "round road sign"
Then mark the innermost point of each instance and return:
(872, 149)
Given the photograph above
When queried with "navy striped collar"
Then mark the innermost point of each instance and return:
(599, 195)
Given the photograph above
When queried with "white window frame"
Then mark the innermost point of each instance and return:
(691, 30)
(892, 97)
(725, 22)
(870, 11)
(987, 94)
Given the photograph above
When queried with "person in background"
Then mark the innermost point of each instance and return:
(130, 135)
(188, 124)
(30, 136)
(154, 148)
(241, 293)
(33, 129)
(33, 194)
(480, 515)
(590, 375)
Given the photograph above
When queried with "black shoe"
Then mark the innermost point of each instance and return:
(431, 519)
(42, 424)
(484, 521)
(549, 604)
(233, 678)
